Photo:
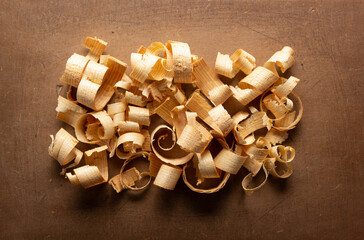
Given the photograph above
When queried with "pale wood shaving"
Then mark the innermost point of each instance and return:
(229, 162)
(75, 67)
(165, 108)
(229, 66)
(182, 64)
(210, 85)
(127, 179)
(63, 148)
(96, 48)
(94, 172)
(106, 131)
(161, 133)
(283, 58)
(68, 111)
(139, 115)
(249, 178)
(167, 176)
(194, 137)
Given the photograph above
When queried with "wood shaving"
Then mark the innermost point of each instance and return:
(124, 125)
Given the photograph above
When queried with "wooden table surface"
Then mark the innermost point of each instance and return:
(323, 199)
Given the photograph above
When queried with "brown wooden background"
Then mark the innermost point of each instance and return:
(322, 200)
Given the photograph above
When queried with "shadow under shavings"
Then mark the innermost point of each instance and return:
(286, 74)
(224, 79)
(127, 196)
(114, 166)
(293, 134)
(137, 196)
(139, 163)
(214, 147)
(237, 181)
(196, 202)
(103, 196)
(232, 81)
(55, 169)
(156, 121)
(92, 198)
(279, 185)
(233, 106)
(188, 89)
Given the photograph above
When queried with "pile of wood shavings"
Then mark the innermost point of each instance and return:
(181, 143)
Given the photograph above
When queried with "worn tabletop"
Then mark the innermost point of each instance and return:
(323, 199)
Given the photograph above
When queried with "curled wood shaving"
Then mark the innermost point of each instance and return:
(196, 103)
(256, 157)
(282, 153)
(222, 183)
(240, 116)
(75, 67)
(290, 121)
(256, 121)
(282, 108)
(182, 65)
(210, 85)
(63, 148)
(99, 120)
(131, 142)
(278, 169)
(273, 137)
(124, 84)
(206, 165)
(179, 118)
(183, 146)
(167, 177)
(128, 126)
(96, 48)
(229, 66)
(148, 63)
(139, 115)
(222, 118)
(163, 135)
(165, 108)
(260, 79)
(283, 58)
(94, 172)
(95, 72)
(194, 137)
(128, 179)
(68, 111)
(134, 99)
(249, 178)
(96, 96)
(142, 65)
(286, 87)
(160, 90)
(117, 111)
(229, 161)
(225, 66)
(243, 60)
(154, 164)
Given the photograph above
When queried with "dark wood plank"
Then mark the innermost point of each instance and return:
(322, 200)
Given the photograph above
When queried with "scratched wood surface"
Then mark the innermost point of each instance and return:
(322, 200)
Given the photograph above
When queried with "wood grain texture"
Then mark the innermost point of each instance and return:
(323, 199)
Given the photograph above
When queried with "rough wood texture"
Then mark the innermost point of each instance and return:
(322, 200)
